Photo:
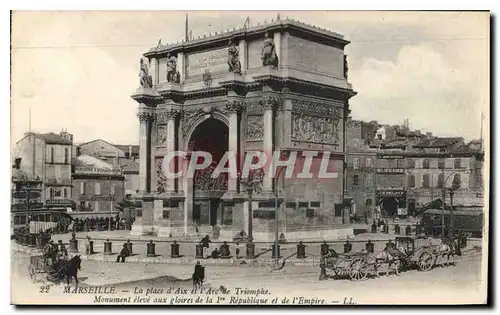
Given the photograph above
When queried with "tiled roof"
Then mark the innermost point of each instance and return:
(129, 166)
(125, 148)
(53, 138)
(437, 142)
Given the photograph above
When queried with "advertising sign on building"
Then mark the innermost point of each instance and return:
(97, 198)
(58, 202)
(97, 170)
(390, 171)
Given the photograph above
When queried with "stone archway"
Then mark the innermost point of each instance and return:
(211, 135)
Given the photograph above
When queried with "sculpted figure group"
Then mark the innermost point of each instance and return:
(268, 56)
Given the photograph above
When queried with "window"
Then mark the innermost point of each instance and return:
(440, 183)
(458, 163)
(426, 181)
(57, 192)
(82, 188)
(369, 180)
(65, 192)
(66, 155)
(426, 164)
(411, 163)
(138, 213)
(355, 163)
(355, 180)
(369, 162)
(315, 204)
(51, 193)
(411, 180)
(97, 188)
(166, 214)
(441, 164)
(51, 154)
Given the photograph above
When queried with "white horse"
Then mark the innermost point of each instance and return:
(448, 249)
(384, 258)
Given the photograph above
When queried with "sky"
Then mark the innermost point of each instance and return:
(76, 70)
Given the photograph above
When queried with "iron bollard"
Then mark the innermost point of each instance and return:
(324, 249)
(32, 240)
(174, 250)
(150, 249)
(370, 247)
(274, 250)
(73, 243)
(250, 250)
(397, 229)
(462, 241)
(129, 247)
(347, 247)
(374, 227)
(107, 247)
(301, 250)
(199, 251)
(386, 228)
(91, 247)
(408, 230)
(224, 250)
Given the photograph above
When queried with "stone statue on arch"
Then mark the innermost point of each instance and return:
(146, 80)
(269, 56)
(173, 75)
(233, 58)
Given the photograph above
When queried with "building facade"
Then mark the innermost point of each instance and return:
(98, 187)
(361, 178)
(285, 89)
(26, 204)
(124, 156)
(48, 157)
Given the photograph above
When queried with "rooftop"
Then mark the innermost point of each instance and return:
(244, 31)
(438, 142)
(53, 138)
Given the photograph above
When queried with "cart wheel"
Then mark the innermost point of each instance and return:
(358, 269)
(32, 273)
(426, 261)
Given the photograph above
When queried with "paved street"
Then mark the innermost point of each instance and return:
(443, 284)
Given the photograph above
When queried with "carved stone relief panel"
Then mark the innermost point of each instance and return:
(190, 117)
(161, 179)
(307, 128)
(162, 134)
(255, 128)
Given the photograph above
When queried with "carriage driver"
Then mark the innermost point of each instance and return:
(48, 251)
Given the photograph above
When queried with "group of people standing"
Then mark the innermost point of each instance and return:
(102, 224)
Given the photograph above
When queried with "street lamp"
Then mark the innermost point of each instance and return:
(276, 215)
(455, 185)
(250, 187)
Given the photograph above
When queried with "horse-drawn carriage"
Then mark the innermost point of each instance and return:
(406, 253)
(54, 271)
(354, 266)
(420, 252)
